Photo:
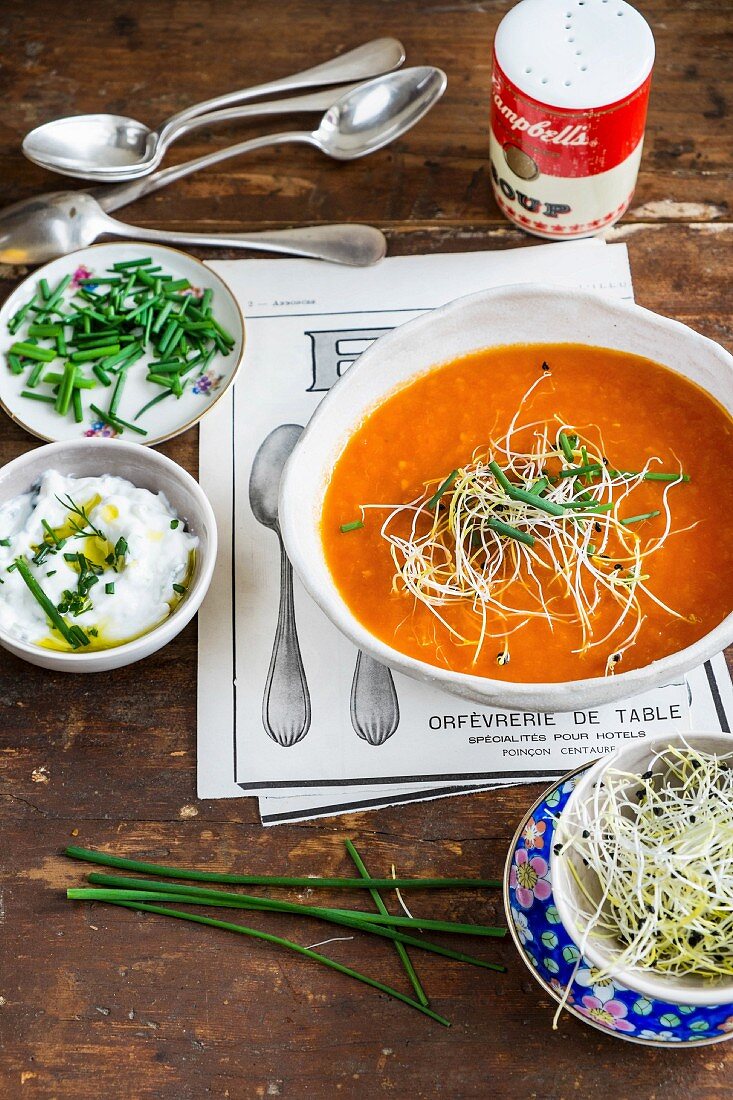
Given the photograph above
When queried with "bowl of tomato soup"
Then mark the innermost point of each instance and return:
(518, 498)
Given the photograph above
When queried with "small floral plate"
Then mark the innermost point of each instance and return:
(551, 955)
(162, 420)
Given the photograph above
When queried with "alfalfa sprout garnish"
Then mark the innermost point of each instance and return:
(659, 850)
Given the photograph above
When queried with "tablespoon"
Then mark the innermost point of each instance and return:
(41, 229)
(90, 145)
(364, 119)
(375, 709)
(312, 101)
(286, 705)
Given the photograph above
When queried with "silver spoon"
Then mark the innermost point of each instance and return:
(38, 230)
(115, 147)
(286, 705)
(370, 116)
(312, 101)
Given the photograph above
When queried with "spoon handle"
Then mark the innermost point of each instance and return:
(381, 55)
(111, 198)
(313, 101)
(354, 245)
(286, 705)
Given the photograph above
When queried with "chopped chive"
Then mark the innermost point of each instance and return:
(45, 289)
(50, 531)
(537, 501)
(500, 477)
(38, 397)
(154, 401)
(127, 265)
(109, 588)
(511, 532)
(578, 471)
(175, 523)
(117, 392)
(32, 351)
(353, 526)
(179, 588)
(443, 488)
(35, 374)
(4, 542)
(639, 518)
(17, 319)
(51, 612)
(101, 374)
(567, 450)
(77, 405)
(15, 364)
(65, 389)
(116, 422)
(86, 355)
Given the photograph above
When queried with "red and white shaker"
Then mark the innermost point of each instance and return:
(570, 88)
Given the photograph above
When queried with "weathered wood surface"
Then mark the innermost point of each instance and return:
(96, 1002)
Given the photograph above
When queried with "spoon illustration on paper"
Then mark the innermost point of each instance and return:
(286, 705)
(375, 709)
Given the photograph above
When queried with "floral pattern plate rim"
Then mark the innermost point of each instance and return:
(550, 954)
(166, 419)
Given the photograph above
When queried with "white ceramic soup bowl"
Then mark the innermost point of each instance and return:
(147, 469)
(635, 759)
(524, 314)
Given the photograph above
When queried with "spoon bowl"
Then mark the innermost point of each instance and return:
(79, 143)
(375, 114)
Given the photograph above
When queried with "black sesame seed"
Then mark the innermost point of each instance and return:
(545, 366)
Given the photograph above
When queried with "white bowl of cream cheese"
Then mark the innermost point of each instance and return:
(106, 552)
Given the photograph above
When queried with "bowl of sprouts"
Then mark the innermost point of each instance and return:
(642, 867)
(517, 498)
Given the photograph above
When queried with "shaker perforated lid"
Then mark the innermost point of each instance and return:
(575, 53)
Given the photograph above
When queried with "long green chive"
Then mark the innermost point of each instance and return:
(442, 488)
(353, 526)
(40, 596)
(399, 947)
(280, 942)
(105, 859)
(638, 519)
(191, 895)
(511, 532)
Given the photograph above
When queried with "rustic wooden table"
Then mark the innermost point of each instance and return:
(100, 1002)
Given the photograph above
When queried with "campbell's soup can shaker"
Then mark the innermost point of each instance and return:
(570, 87)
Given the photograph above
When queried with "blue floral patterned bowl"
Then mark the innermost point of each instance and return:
(551, 955)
